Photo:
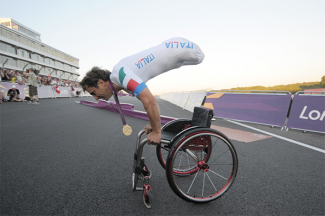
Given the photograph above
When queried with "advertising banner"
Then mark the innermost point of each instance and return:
(45, 92)
(259, 108)
(62, 91)
(24, 90)
(308, 113)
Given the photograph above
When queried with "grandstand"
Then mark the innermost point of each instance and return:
(22, 48)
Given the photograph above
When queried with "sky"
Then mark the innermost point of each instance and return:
(246, 42)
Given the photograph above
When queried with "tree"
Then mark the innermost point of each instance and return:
(322, 82)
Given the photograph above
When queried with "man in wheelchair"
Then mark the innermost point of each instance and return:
(131, 74)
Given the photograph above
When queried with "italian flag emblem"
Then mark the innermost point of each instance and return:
(131, 81)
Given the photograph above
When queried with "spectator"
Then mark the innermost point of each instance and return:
(24, 77)
(39, 80)
(19, 80)
(11, 76)
(60, 83)
(32, 83)
(14, 94)
(49, 80)
(66, 83)
(44, 81)
(54, 82)
(25, 80)
(6, 76)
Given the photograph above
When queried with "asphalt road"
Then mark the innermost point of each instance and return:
(65, 158)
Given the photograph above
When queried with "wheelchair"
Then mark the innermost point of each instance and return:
(200, 163)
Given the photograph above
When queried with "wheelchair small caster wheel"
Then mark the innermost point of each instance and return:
(147, 194)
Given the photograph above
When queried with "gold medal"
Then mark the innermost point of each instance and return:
(127, 130)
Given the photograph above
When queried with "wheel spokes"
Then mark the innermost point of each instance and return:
(204, 181)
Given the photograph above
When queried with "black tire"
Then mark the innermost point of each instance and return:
(147, 197)
(162, 154)
(214, 173)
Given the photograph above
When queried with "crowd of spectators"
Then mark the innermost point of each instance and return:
(14, 76)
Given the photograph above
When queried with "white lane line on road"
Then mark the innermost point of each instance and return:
(280, 137)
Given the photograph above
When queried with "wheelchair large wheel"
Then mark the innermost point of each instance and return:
(198, 145)
(176, 126)
(211, 169)
(162, 154)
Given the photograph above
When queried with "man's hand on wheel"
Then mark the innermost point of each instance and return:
(153, 137)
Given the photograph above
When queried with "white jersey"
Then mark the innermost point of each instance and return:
(131, 73)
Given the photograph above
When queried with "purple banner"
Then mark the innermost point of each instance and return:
(258, 108)
(24, 90)
(307, 113)
(127, 109)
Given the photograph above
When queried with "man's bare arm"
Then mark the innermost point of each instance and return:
(151, 106)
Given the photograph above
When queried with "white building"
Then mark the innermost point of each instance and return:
(21, 48)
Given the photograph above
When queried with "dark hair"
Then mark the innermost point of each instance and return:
(92, 77)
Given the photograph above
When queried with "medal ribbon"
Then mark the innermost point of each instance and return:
(117, 102)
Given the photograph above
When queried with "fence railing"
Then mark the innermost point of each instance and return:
(304, 110)
(43, 91)
(185, 100)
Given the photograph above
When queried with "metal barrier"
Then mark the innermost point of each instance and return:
(195, 99)
(307, 112)
(185, 100)
(43, 91)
